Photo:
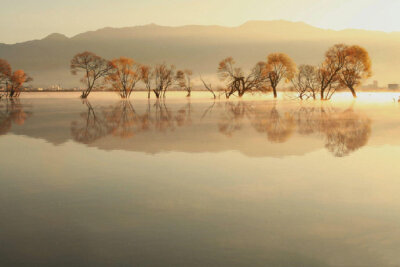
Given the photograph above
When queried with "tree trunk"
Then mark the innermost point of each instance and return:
(275, 93)
(353, 92)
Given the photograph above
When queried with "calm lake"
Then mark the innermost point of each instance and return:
(198, 182)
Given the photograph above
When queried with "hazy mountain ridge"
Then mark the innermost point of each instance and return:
(199, 47)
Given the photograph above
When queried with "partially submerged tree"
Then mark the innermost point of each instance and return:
(93, 67)
(357, 67)
(146, 75)
(5, 73)
(208, 87)
(305, 82)
(329, 70)
(237, 81)
(124, 77)
(11, 81)
(183, 78)
(164, 77)
(16, 81)
(279, 66)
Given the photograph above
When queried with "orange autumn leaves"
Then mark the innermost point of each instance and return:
(12, 81)
(124, 76)
(343, 67)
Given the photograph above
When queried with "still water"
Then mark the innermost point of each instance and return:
(255, 182)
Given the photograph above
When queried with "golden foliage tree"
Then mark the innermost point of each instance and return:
(279, 66)
(124, 77)
(344, 66)
(93, 67)
(356, 68)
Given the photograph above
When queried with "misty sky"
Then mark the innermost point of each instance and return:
(22, 20)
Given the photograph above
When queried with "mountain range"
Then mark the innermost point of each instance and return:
(199, 48)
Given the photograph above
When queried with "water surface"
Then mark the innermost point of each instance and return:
(198, 182)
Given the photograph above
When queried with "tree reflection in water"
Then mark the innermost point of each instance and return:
(12, 111)
(278, 126)
(346, 132)
(122, 120)
(343, 131)
(91, 127)
(232, 117)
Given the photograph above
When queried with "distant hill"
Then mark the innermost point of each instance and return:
(199, 48)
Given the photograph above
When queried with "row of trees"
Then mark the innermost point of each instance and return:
(123, 74)
(12, 81)
(343, 67)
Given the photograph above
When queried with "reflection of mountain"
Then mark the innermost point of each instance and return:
(11, 112)
(198, 47)
(342, 131)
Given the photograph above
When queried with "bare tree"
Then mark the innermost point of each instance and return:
(93, 67)
(208, 87)
(164, 78)
(237, 81)
(305, 82)
(146, 75)
(183, 78)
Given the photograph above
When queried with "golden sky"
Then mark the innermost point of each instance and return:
(22, 20)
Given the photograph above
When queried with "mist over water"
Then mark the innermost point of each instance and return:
(198, 182)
